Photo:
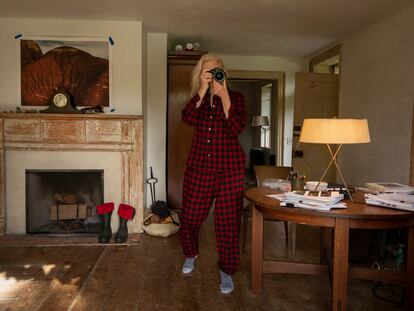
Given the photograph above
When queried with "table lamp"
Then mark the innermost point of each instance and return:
(261, 121)
(335, 132)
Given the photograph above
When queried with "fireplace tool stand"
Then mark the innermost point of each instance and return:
(151, 182)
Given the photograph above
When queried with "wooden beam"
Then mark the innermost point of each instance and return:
(294, 267)
(391, 277)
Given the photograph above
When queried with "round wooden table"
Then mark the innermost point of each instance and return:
(334, 257)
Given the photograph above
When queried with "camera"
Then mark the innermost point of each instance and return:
(218, 74)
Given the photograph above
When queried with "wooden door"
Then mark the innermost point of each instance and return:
(316, 96)
(179, 135)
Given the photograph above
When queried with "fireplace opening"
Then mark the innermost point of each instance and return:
(63, 201)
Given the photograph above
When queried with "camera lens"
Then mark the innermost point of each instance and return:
(218, 74)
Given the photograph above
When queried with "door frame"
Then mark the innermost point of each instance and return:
(411, 180)
(279, 79)
(325, 55)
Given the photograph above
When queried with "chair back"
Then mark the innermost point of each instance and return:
(269, 171)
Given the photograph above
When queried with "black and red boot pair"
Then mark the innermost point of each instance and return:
(125, 212)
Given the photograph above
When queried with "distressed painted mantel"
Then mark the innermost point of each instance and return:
(70, 132)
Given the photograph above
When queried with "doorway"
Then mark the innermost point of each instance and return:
(264, 92)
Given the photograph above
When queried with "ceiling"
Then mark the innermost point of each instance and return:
(295, 28)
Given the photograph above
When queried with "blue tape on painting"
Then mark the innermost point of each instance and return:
(19, 35)
(111, 41)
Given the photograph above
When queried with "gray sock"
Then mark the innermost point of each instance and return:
(226, 286)
(188, 265)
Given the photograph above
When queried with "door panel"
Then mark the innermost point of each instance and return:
(316, 96)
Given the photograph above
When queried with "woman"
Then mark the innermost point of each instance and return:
(215, 168)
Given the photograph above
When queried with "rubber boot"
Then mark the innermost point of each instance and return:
(105, 213)
(125, 212)
(122, 235)
(106, 232)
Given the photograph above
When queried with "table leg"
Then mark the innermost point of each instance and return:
(257, 251)
(292, 227)
(340, 264)
(409, 289)
(326, 249)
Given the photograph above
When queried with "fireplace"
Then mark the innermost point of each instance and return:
(63, 201)
(52, 143)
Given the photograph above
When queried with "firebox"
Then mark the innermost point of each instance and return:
(63, 201)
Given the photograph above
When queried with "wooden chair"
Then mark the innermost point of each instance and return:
(264, 172)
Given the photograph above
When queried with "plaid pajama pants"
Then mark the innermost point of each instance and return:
(201, 188)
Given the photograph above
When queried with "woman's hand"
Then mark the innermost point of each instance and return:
(205, 80)
(220, 89)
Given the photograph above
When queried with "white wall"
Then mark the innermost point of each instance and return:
(156, 112)
(378, 84)
(267, 63)
(126, 56)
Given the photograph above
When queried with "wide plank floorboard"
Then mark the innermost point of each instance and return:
(146, 275)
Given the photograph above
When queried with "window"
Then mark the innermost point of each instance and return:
(266, 104)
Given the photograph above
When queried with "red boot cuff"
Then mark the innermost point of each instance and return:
(126, 211)
(105, 208)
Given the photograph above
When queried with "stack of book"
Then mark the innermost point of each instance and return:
(402, 201)
(385, 187)
(318, 200)
(389, 194)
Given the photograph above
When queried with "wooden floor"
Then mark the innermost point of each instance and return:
(48, 273)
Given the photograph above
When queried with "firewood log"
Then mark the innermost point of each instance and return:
(57, 197)
(70, 198)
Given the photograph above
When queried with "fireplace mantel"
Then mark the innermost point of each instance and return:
(73, 132)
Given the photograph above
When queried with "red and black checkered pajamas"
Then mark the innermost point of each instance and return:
(214, 173)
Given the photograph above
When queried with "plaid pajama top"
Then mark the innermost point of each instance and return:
(215, 146)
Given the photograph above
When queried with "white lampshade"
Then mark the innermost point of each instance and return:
(335, 131)
(260, 121)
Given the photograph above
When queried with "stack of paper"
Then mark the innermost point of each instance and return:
(402, 201)
(318, 200)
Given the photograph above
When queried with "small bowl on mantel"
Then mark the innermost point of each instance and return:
(311, 186)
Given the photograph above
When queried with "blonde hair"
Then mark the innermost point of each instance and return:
(195, 75)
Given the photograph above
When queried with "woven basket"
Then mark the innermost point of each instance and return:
(161, 229)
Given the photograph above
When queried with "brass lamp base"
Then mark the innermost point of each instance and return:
(333, 160)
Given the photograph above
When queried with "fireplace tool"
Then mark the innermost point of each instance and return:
(158, 208)
(151, 182)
